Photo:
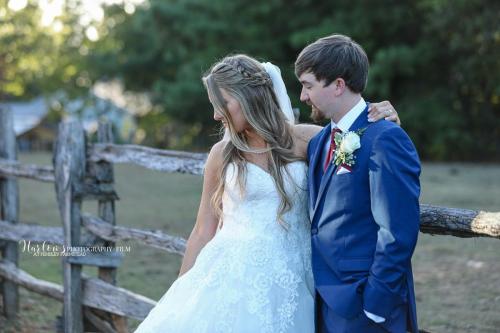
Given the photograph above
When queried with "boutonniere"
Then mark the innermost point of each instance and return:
(347, 143)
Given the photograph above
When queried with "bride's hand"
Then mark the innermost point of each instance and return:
(385, 110)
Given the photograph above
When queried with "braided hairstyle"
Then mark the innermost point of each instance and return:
(246, 80)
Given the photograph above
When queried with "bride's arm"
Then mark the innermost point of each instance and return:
(303, 133)
(207, 220)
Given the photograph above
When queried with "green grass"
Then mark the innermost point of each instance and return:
(456, 280)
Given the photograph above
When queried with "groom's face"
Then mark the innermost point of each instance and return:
(320, 98)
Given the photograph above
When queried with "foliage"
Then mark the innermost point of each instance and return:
(37, 59)
(437, 61)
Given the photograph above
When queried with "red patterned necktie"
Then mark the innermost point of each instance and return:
(333, 146)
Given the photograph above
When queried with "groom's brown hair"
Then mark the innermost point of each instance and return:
(332, 57)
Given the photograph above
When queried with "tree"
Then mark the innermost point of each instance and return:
(435, 60)
(37, 59)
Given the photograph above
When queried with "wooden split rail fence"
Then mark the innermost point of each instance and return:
(83, 171)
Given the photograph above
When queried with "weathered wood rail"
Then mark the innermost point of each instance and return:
(83, 171)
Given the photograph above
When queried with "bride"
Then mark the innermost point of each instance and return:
(247, 266)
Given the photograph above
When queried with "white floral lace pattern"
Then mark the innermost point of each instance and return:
(254, 275)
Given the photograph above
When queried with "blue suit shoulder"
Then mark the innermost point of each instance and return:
(389, 139)
(318, 136)
(384, 129)
(315, 140)
(382, 126)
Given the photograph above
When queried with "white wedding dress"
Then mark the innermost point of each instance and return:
(255, 275)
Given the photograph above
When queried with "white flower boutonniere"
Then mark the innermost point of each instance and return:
(347, 143)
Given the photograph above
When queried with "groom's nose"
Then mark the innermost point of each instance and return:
(304, 97)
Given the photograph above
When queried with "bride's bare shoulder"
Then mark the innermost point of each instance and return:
(215, 157)
(302, 134)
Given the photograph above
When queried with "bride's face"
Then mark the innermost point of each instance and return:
(233, 107)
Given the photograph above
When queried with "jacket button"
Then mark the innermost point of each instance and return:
(314, 231)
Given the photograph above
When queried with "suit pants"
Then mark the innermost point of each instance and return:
(328, 321)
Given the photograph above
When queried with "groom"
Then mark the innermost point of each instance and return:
(363, 202)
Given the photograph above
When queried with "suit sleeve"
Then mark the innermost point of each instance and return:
(394, 172)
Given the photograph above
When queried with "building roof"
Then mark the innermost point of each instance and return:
(27, 115)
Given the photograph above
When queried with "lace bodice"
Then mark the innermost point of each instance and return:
(252, 212)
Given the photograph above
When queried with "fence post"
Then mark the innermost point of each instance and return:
(69, 168)
(103, 173)
(9, 211)
(107, 213)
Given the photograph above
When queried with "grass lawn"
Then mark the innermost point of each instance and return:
(456, 280)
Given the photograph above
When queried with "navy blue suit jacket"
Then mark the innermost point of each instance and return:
(365, 223)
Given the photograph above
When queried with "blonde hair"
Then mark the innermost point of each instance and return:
(246, 80)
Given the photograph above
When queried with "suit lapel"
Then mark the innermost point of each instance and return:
(360, 122)
(314, 164)
(325, 180)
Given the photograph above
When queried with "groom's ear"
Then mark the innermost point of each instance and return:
(339, 86)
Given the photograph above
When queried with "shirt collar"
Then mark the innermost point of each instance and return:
(350, 117)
